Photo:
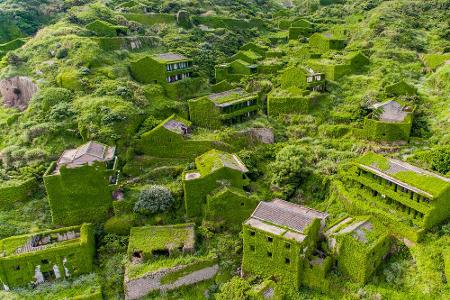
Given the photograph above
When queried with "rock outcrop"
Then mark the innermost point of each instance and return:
(17, 91)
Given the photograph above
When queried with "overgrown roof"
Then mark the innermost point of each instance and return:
(169, 57)
(169, 237)
(416, 179)
(363, 229)
(392, 111)
(214, 160)
(229, 97)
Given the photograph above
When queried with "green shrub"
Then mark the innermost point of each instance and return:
(120, 225)
(154, 199)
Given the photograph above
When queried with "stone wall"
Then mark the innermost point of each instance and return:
(138, 288)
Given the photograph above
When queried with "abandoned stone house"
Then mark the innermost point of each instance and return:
(165, 68)
(150, 243)
(80, 184)
(280, 239)
(389, 121)
(402, 191)
(224, 108)
(214, 170)
(359, 245)
(46, 256)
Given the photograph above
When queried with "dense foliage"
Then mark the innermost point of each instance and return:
(79, 53)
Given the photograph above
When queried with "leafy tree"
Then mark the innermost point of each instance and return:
(290, 168)
(154, 199)
(440, 159)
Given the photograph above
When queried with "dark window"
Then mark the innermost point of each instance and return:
(44, 262)
(242, 203)
(252, 233)
(287, 260)
(16, 268)
(287, 245)
(269, 239)
(252, 248)
(269, 254)
(160, 252)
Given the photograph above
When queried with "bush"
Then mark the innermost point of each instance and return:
(440, 159)
(154, 199)
(120, 225)
(235, 289)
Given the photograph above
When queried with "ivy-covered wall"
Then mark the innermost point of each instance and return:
(400, 88)
(315, 273)
(204, 113)
(19, 269)
(17, 190)
(388, 131)
(80, 194)
(288, 101)
(281, 258)
(230, 207)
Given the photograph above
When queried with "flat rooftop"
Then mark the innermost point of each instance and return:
(170, 57)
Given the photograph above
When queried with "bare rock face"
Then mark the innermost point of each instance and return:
(17, 91)
(263, 135)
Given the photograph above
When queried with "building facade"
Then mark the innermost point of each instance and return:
(225, 108)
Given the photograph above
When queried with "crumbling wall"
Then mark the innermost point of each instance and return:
(17, 91)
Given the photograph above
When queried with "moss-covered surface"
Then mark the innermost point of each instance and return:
(404, 40)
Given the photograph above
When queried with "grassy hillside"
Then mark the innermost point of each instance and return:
(86, 91)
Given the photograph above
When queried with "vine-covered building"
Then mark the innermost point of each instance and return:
(326, 41)
(279, 239)
(162, 68)
(46, 256)
(359, 246)
(172, 134)
(214, 170)
(225, 108)
(79, 185)
(401, 192)
(389, 121)
(304, 78)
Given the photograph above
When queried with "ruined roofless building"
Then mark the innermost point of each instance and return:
(79, 185)
(46, 256)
